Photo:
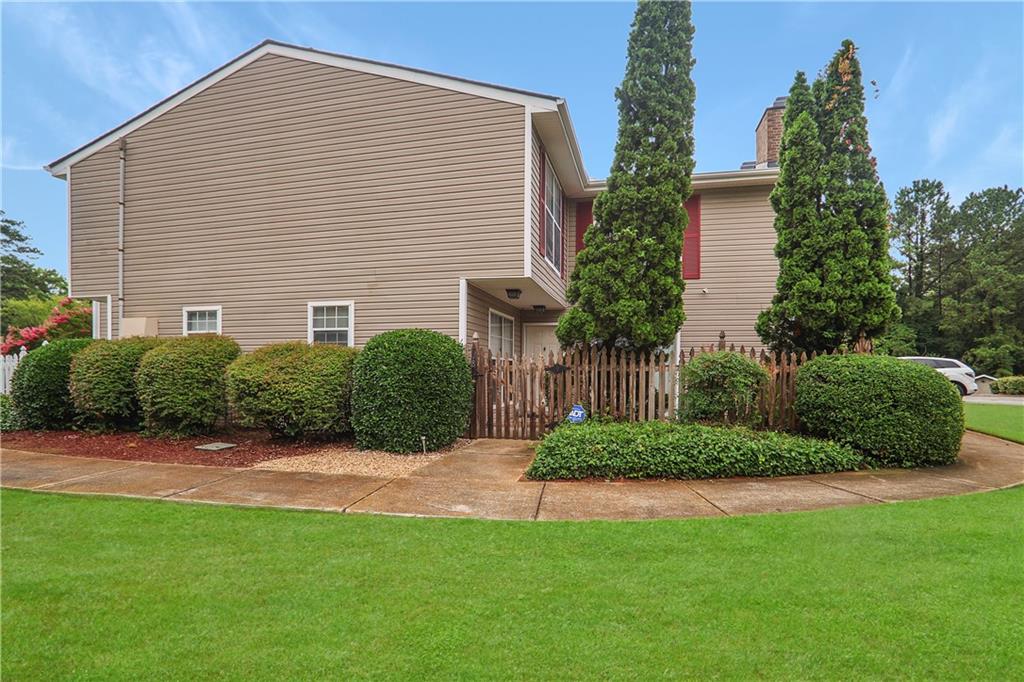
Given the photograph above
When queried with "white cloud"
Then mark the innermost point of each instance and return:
(901, 77)
(12, 158)
(949, 120)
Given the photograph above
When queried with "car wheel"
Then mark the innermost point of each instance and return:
(960, 387)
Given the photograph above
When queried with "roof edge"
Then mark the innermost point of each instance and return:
(58, 167)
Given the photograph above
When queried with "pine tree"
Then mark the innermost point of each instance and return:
(854, 207)
(835, 283)
(627, 285)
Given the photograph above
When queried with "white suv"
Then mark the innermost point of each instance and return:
(960, 374)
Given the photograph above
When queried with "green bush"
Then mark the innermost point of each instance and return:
(39, 388)
(103, 381)
(896, 412)
(294, 389)
(661, 450)
(9, 418)
(1009, 386)
(181, 384)
(410, 383)
(721, 387)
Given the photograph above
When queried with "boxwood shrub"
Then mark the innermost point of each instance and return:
(722, 388)
(295, 390)
(9, 419)
(410, 383)
(662, 450)
(181, 384)
(39, 388)
(103, 381)
(895, 412)
(1009, 386)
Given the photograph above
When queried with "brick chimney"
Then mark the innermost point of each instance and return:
(769, 135)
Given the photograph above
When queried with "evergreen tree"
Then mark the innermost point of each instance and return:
(854, 208)
(627, 285)
(801, 306)
(834, 282)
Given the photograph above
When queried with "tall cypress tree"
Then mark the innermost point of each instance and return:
(801, 309)
(854, 206)
(835, 283)
(627, 285)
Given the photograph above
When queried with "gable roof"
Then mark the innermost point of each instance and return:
(527, 98)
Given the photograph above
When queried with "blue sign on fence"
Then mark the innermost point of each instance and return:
(577, 414)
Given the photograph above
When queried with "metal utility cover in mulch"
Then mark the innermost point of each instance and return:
(215, 446)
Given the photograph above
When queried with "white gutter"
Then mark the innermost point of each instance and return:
(120, 233)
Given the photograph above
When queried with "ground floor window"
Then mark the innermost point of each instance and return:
(501, 333)
(200, 319)
(331, 322)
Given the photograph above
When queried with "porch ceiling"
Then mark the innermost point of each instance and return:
(532, 293)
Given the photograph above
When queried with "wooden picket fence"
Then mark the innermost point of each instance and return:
(525, 397)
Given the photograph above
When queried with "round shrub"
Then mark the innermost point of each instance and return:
(895, 412)
(295, 390)
(181, 384)
(1009, 386)
(721, 387)
(410, 383)
(39, 387)
(103, 381)
(9, 419)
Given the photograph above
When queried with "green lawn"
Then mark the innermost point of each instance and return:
(1005, 421)
(104, 587)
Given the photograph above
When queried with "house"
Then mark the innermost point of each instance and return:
(300, 194)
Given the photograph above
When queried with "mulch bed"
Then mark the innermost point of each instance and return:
(252, 447)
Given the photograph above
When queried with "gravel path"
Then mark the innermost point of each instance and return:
(358, 462)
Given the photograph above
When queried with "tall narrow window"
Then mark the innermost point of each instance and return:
(331, 322)
(501, 334)
(553, 241)
(200, 320)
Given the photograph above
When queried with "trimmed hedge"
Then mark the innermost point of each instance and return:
(103, 381)
(1009, 386)
(39, 388)
(410, 383)
(9, 419)
(721, 388)
(688, 451)
(294, 389)
(896, 412)
(181, 384)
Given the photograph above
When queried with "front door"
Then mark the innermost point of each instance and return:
(539, 338)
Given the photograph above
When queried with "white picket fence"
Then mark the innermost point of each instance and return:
(8, 363)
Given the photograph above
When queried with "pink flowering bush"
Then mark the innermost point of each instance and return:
(70, 319)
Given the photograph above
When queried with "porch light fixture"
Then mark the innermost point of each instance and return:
(540, 308)
(513, 294)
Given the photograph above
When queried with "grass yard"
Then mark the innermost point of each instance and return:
(1005, 421)
(104, 587)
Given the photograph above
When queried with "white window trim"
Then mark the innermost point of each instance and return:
(351, 319)
(510, 318)
(549, 172)
(195, 309)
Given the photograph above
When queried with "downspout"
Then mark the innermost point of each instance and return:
(123, 156)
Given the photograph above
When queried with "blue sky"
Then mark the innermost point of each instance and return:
(950, 76)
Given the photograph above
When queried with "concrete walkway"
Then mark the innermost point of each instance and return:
(484, 480)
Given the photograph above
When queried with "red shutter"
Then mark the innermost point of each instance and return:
(543, 211)
(691, 239)
(584, 217)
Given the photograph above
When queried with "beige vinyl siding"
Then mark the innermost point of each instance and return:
(570, 237)
(543, 272)
(478, 306)
(738, 267)
(93, 241)
(289, 182)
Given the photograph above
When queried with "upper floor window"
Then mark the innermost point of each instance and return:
(331, 322)
(501, 333)
(200, 320)
(553, 235)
